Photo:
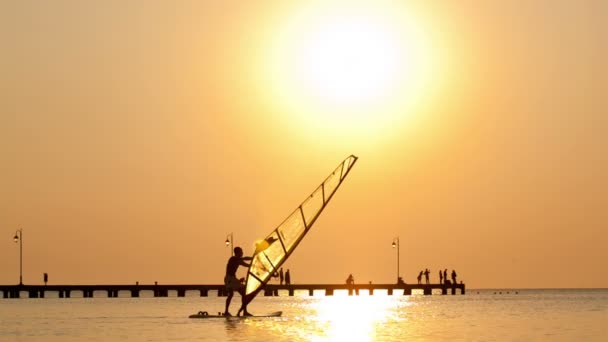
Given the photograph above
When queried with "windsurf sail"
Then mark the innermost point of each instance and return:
(272, 252)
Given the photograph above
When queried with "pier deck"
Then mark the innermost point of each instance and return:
(111, 291)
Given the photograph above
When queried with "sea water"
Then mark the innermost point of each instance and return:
(480, 315)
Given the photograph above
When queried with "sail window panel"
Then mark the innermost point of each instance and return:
(261, 267)
(274, 250)
(331, 183)
(291, 229)
(313, 205)
(252, 284)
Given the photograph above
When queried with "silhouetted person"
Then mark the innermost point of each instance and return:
(420, 277)
(400, 281)
(233, 283)
(445, 274)
(350, 280)
(454, 277)
(440, 277)
(287, 278)
(281, 276)
(276, 274)
(46, 278)
(426, 275)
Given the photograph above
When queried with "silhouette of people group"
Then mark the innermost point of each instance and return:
(283, 277)
(443, 276)
(350, 280)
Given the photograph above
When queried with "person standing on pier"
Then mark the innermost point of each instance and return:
(287, 278)
(232, 282)
(281, 276)
(420, 277)
(453, 276)
(445, 275)
(426, 275)
(440, 277)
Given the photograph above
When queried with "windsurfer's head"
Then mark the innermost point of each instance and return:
(238, 251)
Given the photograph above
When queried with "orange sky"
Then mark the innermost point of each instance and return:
(135, 136)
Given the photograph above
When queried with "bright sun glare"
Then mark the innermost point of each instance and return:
(349, 61)
(352, 66)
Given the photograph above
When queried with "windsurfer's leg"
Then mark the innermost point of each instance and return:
(243, 309)
(228, 299)
(244, 303)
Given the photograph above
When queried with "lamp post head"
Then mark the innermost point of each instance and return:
(227, 242)
(16, 238)
(394, 244)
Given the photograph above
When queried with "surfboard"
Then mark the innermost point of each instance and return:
(205, 314)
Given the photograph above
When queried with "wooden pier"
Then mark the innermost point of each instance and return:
(158, 290)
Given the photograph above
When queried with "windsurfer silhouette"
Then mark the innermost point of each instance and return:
(233, 283)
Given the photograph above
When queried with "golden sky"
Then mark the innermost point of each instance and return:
(134, 136)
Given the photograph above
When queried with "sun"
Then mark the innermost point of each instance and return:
(359, 67)
(348, 61)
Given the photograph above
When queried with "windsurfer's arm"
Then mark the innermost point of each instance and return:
(243, 263)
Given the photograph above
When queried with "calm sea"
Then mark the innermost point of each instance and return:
(484, 315)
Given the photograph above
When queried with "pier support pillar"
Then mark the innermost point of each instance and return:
(311, 292)
(390, 292)
(181, 293)
(407, 292)
(161, 293)
(444, 290)
(329, 292)
(427, 291)
(135, 293)
(453, 290)
(267, 293)
(204, 293)
(291, 292)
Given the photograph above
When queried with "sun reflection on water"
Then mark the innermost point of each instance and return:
(351, 318)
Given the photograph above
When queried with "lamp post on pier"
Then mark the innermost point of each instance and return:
(396, 244)
(19, 238)
(230, 242)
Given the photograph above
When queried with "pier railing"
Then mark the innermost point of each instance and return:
(158, 290)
